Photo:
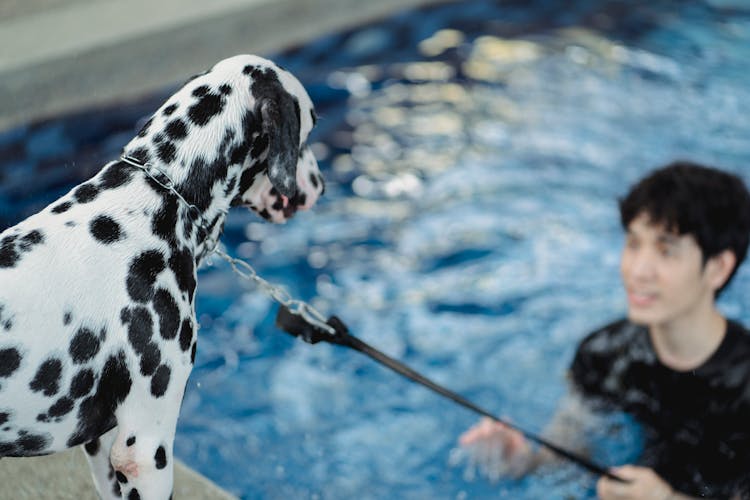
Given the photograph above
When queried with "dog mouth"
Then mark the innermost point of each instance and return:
(288, 206)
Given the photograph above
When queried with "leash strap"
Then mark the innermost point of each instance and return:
(297, 326)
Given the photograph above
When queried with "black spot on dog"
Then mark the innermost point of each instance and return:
(105, 229)
(8, 254)
(265, 214)
(67, 318)
(141, 154)
(160, 381)
(167, 152)
(30, 239)
(322, 183)
(116, 489)
(192, 353)
(150, 359)
(140, 327)
(144, 130)
(84, 346)
(200, 180)
(176, 129)
(314, 180)
(62, 207)
(278, 205)
(182, 265)
(130, 441)
(32, 444)
(259, 146)
(186, 334)
(133, 495)
(314, 117)
(225, 89)
(165, 220)
(158, 138)
(62, 406)
(81, 384)
(47, 377)
(160, 458)
(208, 106)
(121, 477)
(230, 186)
(200, 91)
(4, 417)
(10, 360)
(169, 315)
(92, 447)
(116, 175)
(248, 69)
(142, 274)
(86, 193)
(170, 109)
(96, 412)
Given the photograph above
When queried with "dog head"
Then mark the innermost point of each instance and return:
(238, 130)
(287, 178)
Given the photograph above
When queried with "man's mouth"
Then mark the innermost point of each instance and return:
(639, 298)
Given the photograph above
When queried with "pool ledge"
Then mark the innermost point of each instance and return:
(65, 476)
(83, 53)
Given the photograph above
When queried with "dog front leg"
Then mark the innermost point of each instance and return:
(142, 451)
(97, 454)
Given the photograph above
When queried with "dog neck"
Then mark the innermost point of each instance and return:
(186, 216)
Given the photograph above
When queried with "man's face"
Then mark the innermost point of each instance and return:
(663, 274)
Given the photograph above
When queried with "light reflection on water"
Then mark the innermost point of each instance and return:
(474, 153)
(470, 229)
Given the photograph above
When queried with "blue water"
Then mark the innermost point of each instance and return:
(474, 153)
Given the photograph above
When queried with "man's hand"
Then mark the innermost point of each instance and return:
(643, 484)
(496, 449)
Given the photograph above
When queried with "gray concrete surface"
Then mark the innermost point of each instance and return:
(58, 56)
(65, 476)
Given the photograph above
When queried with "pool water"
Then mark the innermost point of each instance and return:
(473, 153)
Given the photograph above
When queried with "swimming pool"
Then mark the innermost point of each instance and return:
(473, 154)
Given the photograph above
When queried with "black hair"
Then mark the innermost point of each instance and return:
(687, 198)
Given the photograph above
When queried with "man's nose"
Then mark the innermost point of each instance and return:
(642, 264)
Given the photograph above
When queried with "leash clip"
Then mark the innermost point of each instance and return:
(296, 325)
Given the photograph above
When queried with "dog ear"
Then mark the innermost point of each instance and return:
(281, 124)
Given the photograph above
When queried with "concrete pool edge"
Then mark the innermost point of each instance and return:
(48, 70)
(66, 476)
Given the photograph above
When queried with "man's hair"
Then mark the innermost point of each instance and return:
(687, 198)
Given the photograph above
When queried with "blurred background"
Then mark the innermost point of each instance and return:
(473, 150)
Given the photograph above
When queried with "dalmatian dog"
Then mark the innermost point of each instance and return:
(97, 316)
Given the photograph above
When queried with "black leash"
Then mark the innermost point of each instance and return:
(296, 325)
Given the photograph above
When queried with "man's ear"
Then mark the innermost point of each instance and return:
(719, 267)
(280, 123)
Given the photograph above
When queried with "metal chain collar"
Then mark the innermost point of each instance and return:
(240, 267)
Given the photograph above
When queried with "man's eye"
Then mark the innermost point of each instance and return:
(666, 251)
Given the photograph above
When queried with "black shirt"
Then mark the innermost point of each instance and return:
(696, 423)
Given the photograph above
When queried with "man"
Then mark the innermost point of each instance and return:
(676, 364)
